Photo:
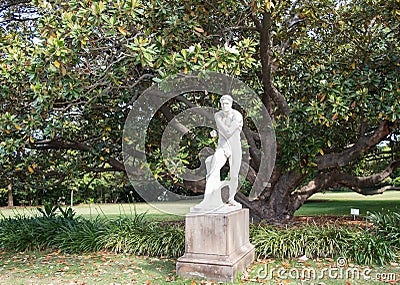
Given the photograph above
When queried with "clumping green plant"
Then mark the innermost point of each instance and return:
(369, 249)
(125, 234)
(28, 233)
(315, 241)
(79, 235)
(387, 226)
(134, 235)
(311, 240)
(49, 210)
(140, 236)
(68, 213)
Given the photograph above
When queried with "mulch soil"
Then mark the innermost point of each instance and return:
(331, 220)
(299, 221)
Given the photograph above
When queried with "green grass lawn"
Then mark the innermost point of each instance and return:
(329, 204)
(340, 203)
(157, 211)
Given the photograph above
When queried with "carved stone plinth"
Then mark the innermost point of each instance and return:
(217, 246)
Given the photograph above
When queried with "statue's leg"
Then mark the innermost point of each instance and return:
(214, 164)
(212, 195)
(208, 163)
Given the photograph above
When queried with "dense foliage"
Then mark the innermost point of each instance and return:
(327, 71)
(138, 235)
(135, 235)
(330, 241)
(387, 226)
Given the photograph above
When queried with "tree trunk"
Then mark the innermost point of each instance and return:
(10, 196)
(277, 206)
(286, 197)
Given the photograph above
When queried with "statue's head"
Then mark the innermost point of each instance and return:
(226, 102)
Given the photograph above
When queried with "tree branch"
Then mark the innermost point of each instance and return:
(368, 192)
(254, 151)
(71, 145)
(256, 22)
(58, 144)
(13, 19)
(360, 184)
(280, 100)
(270, 91)
(335, 178)
(11, 3)
(364, 144)
(239, 28)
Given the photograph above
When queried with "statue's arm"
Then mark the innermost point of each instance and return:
(228, 131)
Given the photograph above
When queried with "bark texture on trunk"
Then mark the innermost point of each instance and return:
(287, 195)
(10, 196)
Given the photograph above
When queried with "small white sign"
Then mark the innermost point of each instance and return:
(355, 212)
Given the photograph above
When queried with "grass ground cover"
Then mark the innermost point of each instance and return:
(157, 211)
(340, 203)
(320, 271)
(98, 268)
(328, 203)
(106, 268)
(57, 267)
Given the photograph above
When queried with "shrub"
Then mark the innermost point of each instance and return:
(28, 233)
(137, 235)
(131, 235)
(49, 210)
(80, 235)
(387, 226)
(322, 241)
(311, 240)
(370, 249)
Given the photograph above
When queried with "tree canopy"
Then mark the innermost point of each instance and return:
(327, 72)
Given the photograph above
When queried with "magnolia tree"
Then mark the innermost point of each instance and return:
(326, 71)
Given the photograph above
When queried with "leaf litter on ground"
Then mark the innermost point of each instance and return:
(55, 267)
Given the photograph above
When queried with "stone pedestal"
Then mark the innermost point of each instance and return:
(217, 246)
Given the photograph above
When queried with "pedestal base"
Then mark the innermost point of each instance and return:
(221, 209)
(217, 246)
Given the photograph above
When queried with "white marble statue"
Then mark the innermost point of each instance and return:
(229, 125)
